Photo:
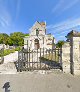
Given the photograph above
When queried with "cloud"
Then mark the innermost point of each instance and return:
(61, 29)
(18, 8)
(2, 23)
(65, 25)
(64, 5)
(57, 6)
(5, 16)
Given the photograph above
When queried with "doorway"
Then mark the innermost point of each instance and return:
(36, 42)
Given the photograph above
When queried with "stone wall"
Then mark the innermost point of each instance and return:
(12, 57)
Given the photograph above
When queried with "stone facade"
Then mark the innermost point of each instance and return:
(38, 37)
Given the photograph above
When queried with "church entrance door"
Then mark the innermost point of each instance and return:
(37, 46)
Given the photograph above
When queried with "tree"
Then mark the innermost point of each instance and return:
(26, 34)
(4, 38)
(60, 43)
(16, 38)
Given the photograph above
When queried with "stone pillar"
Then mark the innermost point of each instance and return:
(74, 38)
(76, 55)
(66, 57)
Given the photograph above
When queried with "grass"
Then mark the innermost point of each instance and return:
(8, 51)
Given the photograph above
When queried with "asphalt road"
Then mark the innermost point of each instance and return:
(36, 82)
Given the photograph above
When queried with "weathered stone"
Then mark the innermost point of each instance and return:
(38, 37)
(74, 57)
(66, 57)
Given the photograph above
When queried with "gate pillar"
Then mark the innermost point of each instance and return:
(74, 38)
(66, 57)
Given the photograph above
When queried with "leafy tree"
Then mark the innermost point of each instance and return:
(16, 38)
(10, 41)
(60, 43)
(26, 34)
(4, 38)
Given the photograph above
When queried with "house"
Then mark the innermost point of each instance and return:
(38, 38)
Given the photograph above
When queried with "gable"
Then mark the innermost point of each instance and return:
(38, 27)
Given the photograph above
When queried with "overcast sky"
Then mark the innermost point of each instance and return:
(61, 16)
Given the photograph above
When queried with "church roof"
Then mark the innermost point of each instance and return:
(42, 23)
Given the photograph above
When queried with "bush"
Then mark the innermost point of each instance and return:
(12, 51)
(1, 54)
(7, 52)
(17, 49)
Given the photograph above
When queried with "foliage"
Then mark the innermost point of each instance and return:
(7, 52)
(4, 38)
(1, 53)
(17, 48)
(26, 34)
(59, 44)
(16, 38)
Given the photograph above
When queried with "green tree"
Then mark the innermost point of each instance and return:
(26, 34)
(16, 38)
(60, 43)
(4, 38)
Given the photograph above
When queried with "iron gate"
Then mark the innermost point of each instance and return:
(40, 59)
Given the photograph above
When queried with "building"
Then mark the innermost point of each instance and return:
(38, 37)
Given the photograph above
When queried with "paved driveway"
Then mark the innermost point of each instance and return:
(36, 82)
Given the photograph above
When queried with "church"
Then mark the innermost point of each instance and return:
(38, 38)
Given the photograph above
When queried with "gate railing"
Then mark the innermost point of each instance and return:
(40, 59)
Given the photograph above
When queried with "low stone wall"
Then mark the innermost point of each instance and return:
(13, 57)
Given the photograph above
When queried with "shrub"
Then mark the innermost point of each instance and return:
(7, 52)
(17, 49)
(12, 51)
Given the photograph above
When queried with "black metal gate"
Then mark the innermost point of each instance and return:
(40, 59)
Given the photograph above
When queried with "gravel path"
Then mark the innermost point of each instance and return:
(36, 82)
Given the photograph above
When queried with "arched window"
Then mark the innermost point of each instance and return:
(37, 32)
